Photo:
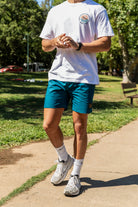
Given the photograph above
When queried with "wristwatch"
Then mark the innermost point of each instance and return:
(80, 45)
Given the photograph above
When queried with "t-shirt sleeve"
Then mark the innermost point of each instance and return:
(103, 26)
(47, 31)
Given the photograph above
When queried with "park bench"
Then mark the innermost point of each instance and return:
(131, 89)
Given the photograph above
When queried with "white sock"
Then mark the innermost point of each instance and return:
(62, 153)
(77, 167)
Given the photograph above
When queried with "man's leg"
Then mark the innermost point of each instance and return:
(52, 119)
(80, 145)
(80, 140)
(80, 129)
(51, 122)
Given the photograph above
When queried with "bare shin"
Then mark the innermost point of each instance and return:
(51, 122)
(80, 140)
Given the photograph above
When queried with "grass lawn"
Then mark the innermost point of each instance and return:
(21, 108)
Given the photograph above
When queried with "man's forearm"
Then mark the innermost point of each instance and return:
(99, 45)
(48, 45)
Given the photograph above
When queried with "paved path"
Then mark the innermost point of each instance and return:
(109, 176)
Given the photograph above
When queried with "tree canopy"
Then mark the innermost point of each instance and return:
(123, 17)
(18, 19)
(26, 17)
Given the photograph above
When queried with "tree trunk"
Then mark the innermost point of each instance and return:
(133, 70)
(110, 65)
(125, 57)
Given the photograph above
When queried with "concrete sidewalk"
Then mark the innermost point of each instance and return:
(109, 175)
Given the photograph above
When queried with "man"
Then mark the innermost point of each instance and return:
(78, 30)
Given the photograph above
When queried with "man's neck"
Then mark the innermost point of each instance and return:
(75, 1)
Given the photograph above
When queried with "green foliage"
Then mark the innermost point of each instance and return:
(123, 17)
(56, 2)
(18, 18)
(113, 58)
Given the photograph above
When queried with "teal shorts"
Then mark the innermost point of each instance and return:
(59, 94)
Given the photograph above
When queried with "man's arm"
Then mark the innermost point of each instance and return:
(50, 44)
(100, 45)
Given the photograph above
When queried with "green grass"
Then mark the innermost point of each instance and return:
(21, 109)
(92, 143)
(21, 114)
(27, 185)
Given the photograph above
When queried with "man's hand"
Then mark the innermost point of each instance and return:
(60, 41)
(57, 42)
(69, 42)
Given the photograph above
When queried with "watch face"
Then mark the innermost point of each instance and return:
(84, 18)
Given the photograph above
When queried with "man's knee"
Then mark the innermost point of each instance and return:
(49, 127)
(80, 128)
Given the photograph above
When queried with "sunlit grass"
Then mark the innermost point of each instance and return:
(21, 108)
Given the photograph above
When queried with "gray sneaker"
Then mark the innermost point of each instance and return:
(73, 187)
(62, 170)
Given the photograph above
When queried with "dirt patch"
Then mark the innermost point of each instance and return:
(9, 157)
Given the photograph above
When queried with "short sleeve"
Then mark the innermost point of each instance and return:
(103, 26)
(47, 31)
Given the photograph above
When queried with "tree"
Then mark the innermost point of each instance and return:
(123, 16)
(124, 13)
(18, 19)
(112, 59)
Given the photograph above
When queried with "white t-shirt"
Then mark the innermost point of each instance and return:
(84, 22)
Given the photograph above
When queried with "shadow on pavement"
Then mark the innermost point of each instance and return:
(129, 180)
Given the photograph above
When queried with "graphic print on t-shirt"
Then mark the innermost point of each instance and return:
(84, 18)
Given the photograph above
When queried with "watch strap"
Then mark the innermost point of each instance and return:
(80, 45)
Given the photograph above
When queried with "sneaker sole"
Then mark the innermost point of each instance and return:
(67, 193)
